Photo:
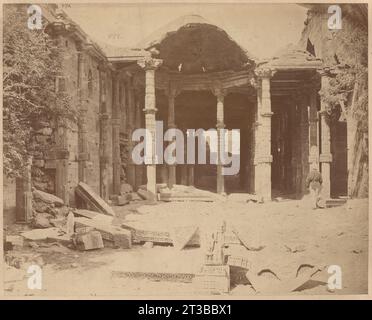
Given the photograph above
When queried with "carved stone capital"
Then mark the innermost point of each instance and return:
(149, 63)
(219, 92)
(264, 72)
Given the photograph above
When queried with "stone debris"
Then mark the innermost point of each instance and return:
(243, 197)
(41, 220)
(93, 215)
(248, 239)
(47, 198)
(92, 200)
(116, 236)
(14, 241)
(188, 193)
(41, 234)
(146, 195)
(181, 236)
(120, 200)
(47, 208)
(22, 260)
(213, 279)
(148, 245)
(126, 188)
(88, 241)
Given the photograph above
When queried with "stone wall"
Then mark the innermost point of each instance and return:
(59, 144)
(339, 48)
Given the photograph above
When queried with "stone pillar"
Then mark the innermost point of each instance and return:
(313, 129)
(263, 157)
(139, 168)
(83, 155)
(104, 136)
(325, 157)
(304, 134)
(150, 65)
(115, 122)
(172, 94)
(220, 95)
(131, 173)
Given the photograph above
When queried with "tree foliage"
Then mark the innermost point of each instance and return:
(352, 74)
(31, 62)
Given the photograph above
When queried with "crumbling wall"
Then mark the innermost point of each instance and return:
(346, 50)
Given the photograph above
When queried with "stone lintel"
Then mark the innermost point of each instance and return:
(57, 154)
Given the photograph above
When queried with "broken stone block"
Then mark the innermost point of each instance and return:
(118, 200)
(88, 241)
(181, 236)
(41, 221)
(47, 198)
(148, 245)
(41, 234)
(117, 236)
(145, 194)
(135, 197)
(38, 163)
(125, 188)
(40, 206)
(58, 222)
(15, 241)
(93, 200)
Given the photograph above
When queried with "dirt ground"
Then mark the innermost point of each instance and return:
(284, 235)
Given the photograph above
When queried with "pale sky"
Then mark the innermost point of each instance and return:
(262, 29)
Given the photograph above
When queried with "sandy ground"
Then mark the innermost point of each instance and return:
(288, 233)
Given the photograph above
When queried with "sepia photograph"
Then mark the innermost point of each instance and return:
(215, 150)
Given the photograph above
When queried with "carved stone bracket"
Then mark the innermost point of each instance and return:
(265, 72)
(149, 63)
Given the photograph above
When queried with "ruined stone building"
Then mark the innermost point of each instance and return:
(192, 74)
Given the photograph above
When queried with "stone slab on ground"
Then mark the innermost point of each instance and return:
(93, 215)
(93, 200)
(160, 236)
(41, 234)
(146, 195)
(118, 236)
(181, 236)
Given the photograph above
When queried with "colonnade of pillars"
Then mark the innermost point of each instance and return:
(262, 158)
